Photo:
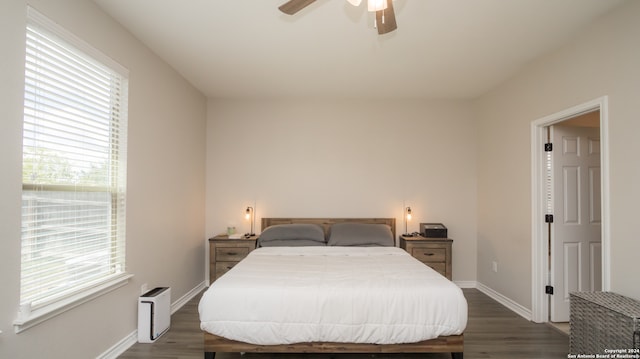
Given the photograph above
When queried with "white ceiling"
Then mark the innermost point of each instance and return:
(442, 48)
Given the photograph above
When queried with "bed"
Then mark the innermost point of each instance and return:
(350, 292)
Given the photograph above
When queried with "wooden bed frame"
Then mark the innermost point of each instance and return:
(453, 344)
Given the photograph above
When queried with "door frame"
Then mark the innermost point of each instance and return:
(540, 248)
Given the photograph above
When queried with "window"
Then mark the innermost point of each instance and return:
(74, 168)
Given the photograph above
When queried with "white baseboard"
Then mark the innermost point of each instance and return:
(175, 306)
(120, 347)
(466, 283)
(507, 302)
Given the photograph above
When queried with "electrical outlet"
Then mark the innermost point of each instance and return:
(494, 267)
(144, 288)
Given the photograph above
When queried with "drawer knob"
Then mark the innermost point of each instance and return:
(229, 267)
(429, 254)
(232, 253)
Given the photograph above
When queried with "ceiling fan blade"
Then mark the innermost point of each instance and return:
(293, 6)
(386, 19)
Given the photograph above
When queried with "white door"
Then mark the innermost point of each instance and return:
(575, 236)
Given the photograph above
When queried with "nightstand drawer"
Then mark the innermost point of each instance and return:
(223, 267)
(438, 267)
(231, 254)
(433, 252)
(429, 254)
(224, 253)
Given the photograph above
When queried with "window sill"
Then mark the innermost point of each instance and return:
(40, 315)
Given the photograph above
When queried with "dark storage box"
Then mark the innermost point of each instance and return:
(433, 230)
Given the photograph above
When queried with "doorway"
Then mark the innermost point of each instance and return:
(573, 197)
(542, 232)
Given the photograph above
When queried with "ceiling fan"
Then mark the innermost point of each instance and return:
(385, 16)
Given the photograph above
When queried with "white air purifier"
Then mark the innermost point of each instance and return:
(154, 314)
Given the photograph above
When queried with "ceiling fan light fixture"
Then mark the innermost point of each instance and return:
(376, 5)
(385, 18)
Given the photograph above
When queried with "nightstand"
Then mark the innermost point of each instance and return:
(224, 253)
(434, 252)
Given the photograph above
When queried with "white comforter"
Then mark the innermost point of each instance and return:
(284, 295)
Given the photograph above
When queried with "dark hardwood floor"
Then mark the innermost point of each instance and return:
(493, 331)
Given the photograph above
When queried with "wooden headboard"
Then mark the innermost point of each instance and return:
(327, 222)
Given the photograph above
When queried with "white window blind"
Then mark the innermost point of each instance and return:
(74, 167)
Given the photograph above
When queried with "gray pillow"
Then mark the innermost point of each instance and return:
(291, 243)
(292, 235)
(360, 234)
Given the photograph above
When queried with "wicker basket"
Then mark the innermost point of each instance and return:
(603, 320)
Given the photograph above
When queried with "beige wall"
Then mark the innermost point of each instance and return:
(166, 184)
(332, 158)
(466, 164)
(603, 61)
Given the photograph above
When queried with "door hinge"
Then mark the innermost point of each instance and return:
(548, 289)
(548, 147)
(548, 218)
